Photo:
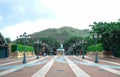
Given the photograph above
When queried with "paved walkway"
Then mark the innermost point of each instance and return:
(59, 66)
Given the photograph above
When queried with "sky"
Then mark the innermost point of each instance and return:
(19, 16)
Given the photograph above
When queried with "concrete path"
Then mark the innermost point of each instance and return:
(78, 72)
(14, 69)
(107, 69)
(14, 62)
(59, 66)
(106, 61)
(42, 72)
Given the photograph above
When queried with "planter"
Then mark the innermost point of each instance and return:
(100, 54)
(18, 54)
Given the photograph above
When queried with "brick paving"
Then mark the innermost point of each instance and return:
(27, 71)
(61, 69)
(108, 59)
(101, 62)
(111, 59)
(19, 61)
(94, 71)
(7, 60)
(4, 60)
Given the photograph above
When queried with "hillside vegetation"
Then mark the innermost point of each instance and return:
(61, 34)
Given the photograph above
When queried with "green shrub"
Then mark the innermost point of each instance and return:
(94, 48)
(13, 48)
(99, 47)
(21, 48)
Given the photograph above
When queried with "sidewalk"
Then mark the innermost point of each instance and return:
(60, 69)
(93, 71)
(108, 59)
(26, 71)
(60, 66)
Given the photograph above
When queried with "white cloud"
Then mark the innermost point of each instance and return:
(83, 9)
(75, 13)
(30, 27)
(81, 13)
(20, 9)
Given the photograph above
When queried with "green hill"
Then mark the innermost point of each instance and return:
(61, 34)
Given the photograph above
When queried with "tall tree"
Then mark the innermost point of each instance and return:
(110, 35)
(8, 40)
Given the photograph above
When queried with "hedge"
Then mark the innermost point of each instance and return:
(94, 48)
(21, 48)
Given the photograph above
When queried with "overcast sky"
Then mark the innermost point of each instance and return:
(19, 16)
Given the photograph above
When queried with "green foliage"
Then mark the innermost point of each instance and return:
(99, 47)
(71, 41)
(30, 49)
(21, 48)
(61, 34)
(51, 42)
(13, 48)
(94, 48)
(28, 41)
(110, 35)
(8, 40)
(91, 48)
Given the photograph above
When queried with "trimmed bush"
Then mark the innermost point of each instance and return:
(94, 48)
(21, 48)
(99, 47)
(13, 48)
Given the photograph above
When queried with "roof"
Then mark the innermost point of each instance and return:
(2, 40)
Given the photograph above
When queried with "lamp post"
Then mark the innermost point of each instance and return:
(37, 45)
(82, 49)
(24, 37)
(77, 47)
(73, 47)
(82, 44)
(44, 48)
(96, 36)
(17, 43)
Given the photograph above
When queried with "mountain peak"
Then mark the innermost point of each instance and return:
(61, 34)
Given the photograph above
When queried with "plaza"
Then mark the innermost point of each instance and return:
(60, 66)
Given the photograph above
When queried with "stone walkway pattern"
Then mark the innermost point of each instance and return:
(59, 66)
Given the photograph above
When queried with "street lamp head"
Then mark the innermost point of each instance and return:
(24, 33)
(20, 36)
(91, 36)
(37, 41)
(100, 36)
(95, 35)
(119, 19)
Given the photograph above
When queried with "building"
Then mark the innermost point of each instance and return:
(3, 47)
